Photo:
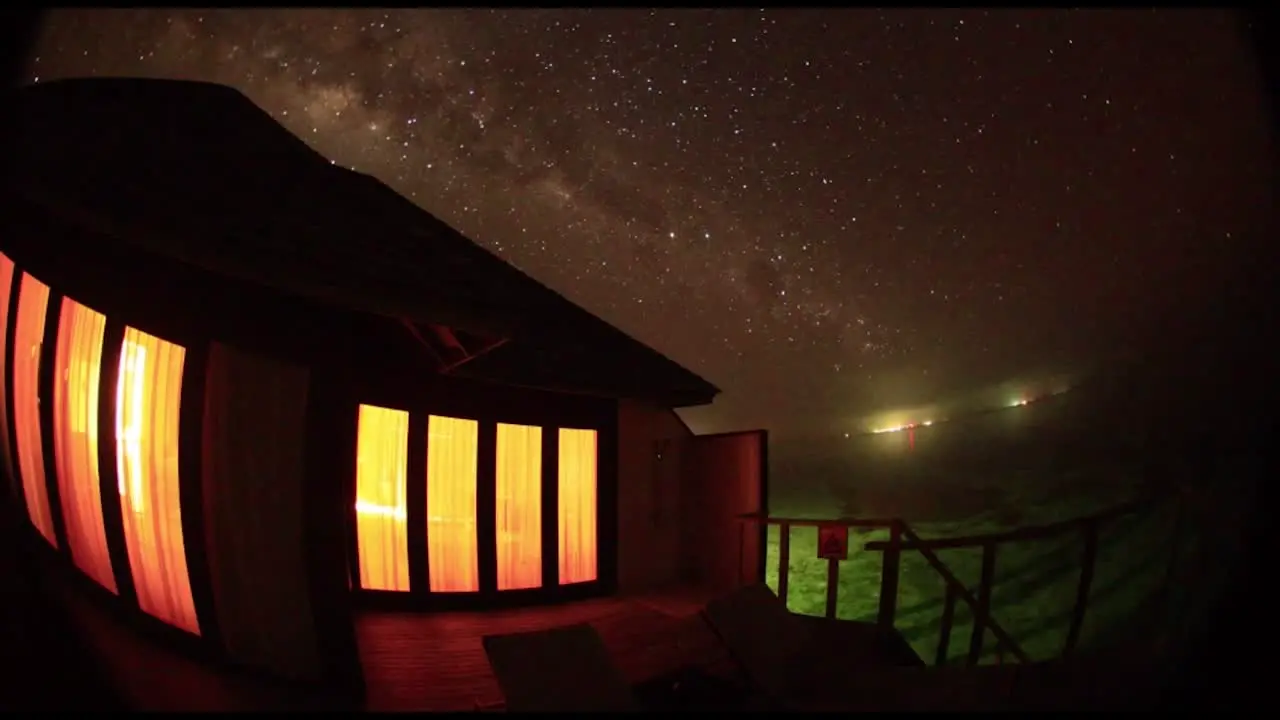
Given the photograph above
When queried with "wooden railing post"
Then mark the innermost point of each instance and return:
(983, 610)
(889, 577)
(1087, 563)
(784, 559)
(948, 618)
(833, 586)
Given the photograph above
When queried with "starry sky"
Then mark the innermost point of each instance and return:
(826, 213)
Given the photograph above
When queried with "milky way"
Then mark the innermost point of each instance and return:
(821, 212)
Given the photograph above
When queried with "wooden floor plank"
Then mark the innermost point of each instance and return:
(420, 662)
(411, 661)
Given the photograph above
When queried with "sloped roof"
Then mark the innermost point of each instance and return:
(238, 194)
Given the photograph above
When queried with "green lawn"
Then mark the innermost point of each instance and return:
(1036, 581)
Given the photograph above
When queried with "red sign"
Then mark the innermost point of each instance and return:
(833, 542)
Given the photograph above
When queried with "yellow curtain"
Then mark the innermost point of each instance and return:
(28, 335)
(148, 398)
(519, 506)
(77, 374)
(382, 456)
(577, 505)
(452, 445)
(6, 289)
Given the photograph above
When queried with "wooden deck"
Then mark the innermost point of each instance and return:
(436, 662)
(411, 661)
(89, 659)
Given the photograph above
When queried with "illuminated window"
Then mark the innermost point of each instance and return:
(6, 289)
(519, 506)
(577, 506)
(452, 445)
(77, 372)
(28, 334)
(148, 399)
(382, 453)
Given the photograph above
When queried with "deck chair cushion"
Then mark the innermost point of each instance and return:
(563, 669)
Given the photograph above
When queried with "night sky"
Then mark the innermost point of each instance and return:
(826, 213)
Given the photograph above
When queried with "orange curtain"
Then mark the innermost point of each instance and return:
(382, 456)
(148, 397)
(77, 373)
(452, 445)
(577, 510)
(33, 303)
(6, 289)
(519, 491)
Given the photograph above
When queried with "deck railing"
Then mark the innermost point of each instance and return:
(902, 538)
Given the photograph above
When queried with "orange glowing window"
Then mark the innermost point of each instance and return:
(148, 398)
(77, 373)
(382, 455)
(452, 445)
(577, 506)
(519, 506)
(6, 289)
(28, 335)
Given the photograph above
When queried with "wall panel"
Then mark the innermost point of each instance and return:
(578, 492)
(76, 389)
(652, 444)
(253, 467)
(28, 337)
(452, 558)
(148, 399)
(382, 455)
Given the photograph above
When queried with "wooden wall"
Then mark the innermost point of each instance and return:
(651, 447)
(253, 469)
(724, 476)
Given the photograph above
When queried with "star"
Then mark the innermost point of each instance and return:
(807, 207)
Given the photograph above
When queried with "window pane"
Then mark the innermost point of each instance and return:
(6, 290)
(148, 398)
(519, 491)
(77, 374)
(382, 455)
(452, 445)
(28, 334)
(577, 511)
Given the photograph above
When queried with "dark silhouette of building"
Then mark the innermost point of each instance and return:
(247, 391)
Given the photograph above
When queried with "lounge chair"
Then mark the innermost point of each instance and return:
(564, 669)
(797, 662)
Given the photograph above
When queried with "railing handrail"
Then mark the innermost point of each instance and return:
(902, 537)
(810, 522)
(1034, 532)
